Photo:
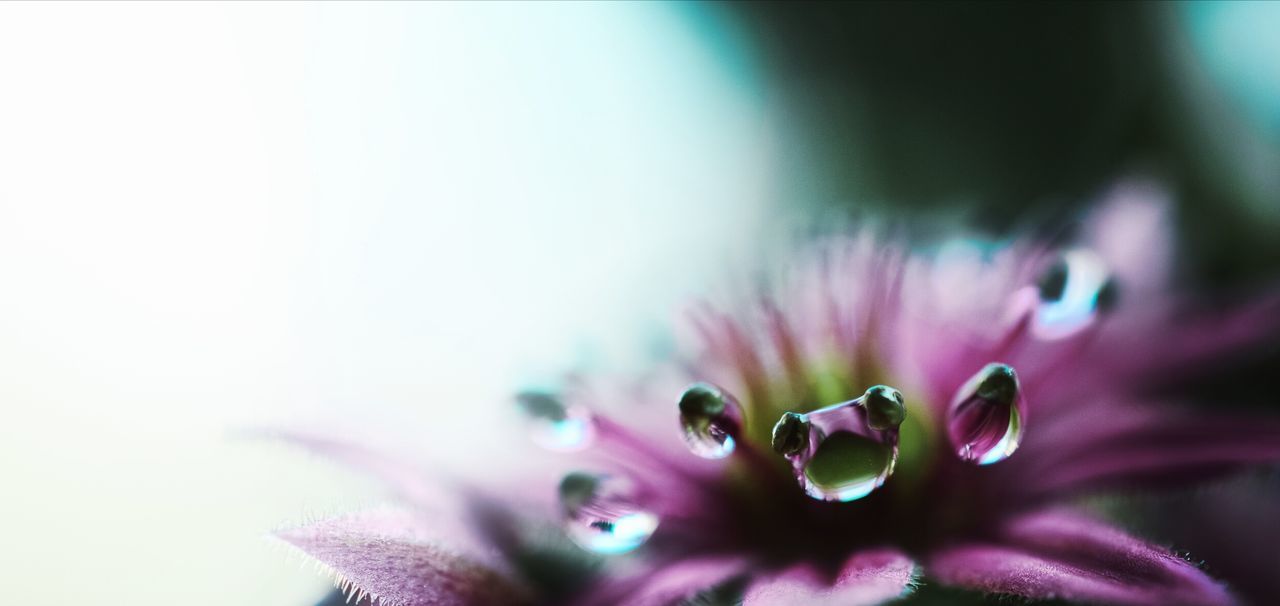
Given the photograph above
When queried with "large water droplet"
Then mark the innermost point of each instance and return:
(601, 515)
(846, 451)
(986, 417)
(554, 426)
(709, 418)
(1072, 294)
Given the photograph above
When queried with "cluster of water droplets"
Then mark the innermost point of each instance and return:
(839, 453)
(601, 513)
(845, 451)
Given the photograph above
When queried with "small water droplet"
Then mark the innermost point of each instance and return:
(1072, 293)
(601, 515)
(987, 415)
(791, 434)
(710, 418)
(846, 451)
(554, 426)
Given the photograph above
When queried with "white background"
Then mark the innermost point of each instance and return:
(348, 218)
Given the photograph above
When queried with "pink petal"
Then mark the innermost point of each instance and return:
(666, 583)
(1135, 446)
(1234, 527)
(468, 517)
(868, 577)
(1068, 556)
(409, 481)
(1204, 340)
(1159, 337)
(389, 556)
(1132, 232)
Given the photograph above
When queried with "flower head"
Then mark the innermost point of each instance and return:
(874, 419)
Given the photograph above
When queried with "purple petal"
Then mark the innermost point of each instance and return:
(456, 508)
(389, 556)
(1068, 556)
(439, 485)
(731, 345)
(409, 481)
(1133, 446)
(1132, 231)
(1205, 337)
(1233, 526)
(868, 577)
(669, 583)
(1164, 336)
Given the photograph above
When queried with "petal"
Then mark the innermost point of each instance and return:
(388, 556)
(446, 487)
(730, 345)
(429, 487)
(868, 577)
(1204, 340)
(1132, 232)
(680, 582)
(1233, 526)
(1135, 446)
(1164, 339)
(537, 550)
(1068, 556)
(406, 479)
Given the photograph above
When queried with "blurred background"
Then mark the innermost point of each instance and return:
(365, 218)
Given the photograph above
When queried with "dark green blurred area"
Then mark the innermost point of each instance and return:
(1003, 113)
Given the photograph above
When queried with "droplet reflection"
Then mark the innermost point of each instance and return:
(554, 426)
(1072, 293)
(600, 513)
(987, 415)
(846, 451)
(709, 418)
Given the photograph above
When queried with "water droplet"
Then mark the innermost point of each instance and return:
(601, 514)
(710, 418)
(987, 415)
(885, 407)
(1071, 295)
(846, 451)
(554, 426)
(791, 434)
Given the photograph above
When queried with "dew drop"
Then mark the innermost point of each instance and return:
(987, 415)
(554, 426)
(1072, 293)
(709, 419)
(846, 451)
(600, 513)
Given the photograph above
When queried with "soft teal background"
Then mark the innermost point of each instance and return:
(378, 219)
(368, 219)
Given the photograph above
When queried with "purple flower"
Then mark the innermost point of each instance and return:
(872, 420)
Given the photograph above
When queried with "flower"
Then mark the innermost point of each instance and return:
(876, 419)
